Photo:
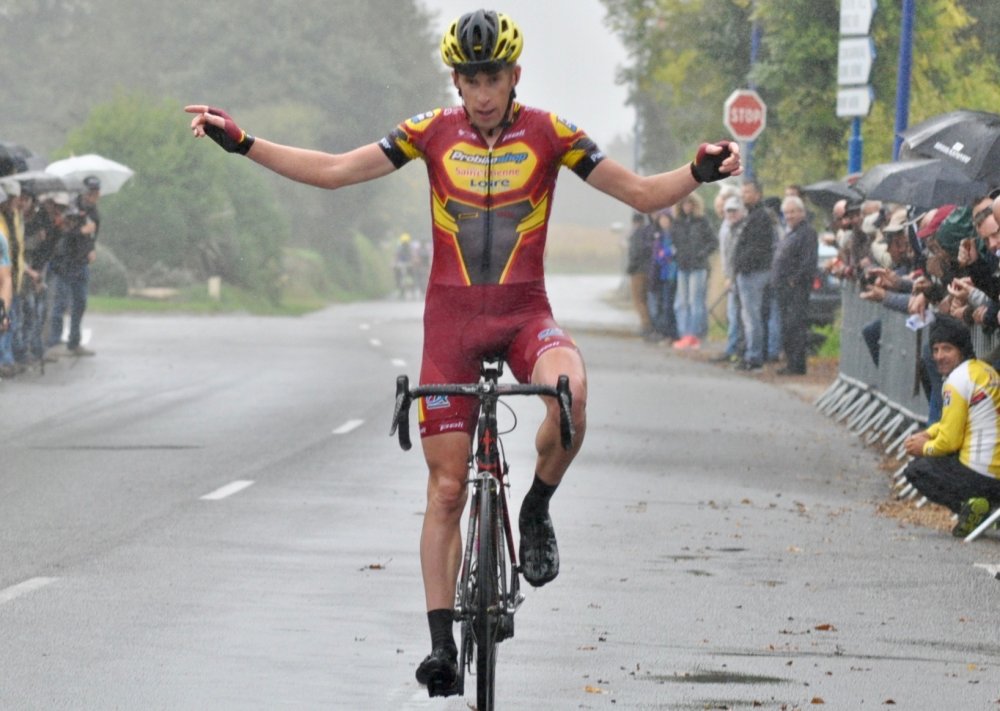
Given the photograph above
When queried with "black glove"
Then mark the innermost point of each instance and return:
(705, 166)
(4, 321)
(231, 137)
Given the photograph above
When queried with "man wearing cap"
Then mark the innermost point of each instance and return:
(733, 213)
(957, 459)
(71, 267)
(889, 285)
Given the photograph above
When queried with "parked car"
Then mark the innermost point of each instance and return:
(824, 298)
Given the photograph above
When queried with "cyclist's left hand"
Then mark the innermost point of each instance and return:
(715, 161)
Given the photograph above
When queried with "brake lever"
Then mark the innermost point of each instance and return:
(401, 413)
(566, 430)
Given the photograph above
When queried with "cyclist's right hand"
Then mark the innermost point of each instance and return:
(220, 127)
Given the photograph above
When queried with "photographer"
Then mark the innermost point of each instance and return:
(74, 253)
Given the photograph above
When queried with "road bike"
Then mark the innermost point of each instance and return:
(489, 588)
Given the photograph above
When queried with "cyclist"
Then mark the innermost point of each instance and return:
(492, 164)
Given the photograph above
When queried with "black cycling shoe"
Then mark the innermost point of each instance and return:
(439, 672)
(539, 551)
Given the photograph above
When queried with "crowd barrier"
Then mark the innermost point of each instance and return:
(884, 404)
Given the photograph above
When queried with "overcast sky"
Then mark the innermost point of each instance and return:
(569, 61)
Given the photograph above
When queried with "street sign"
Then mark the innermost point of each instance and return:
(854, 60)
(745, 114)
(856, 16)
(855, 101)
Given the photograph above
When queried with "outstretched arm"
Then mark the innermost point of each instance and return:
(324, 170)
(651, 193)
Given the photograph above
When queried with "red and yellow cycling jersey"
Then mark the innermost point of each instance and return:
(490, 205)
(490, 208)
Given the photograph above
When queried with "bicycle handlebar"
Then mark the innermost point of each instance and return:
(405, 396)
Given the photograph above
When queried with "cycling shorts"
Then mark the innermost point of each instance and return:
(463, 325)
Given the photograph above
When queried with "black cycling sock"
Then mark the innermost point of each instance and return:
(441, 622)
(537, 498)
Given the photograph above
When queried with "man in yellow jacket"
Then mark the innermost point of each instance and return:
(957, 459)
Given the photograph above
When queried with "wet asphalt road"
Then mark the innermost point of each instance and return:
(210, 515)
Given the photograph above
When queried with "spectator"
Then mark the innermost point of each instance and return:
(852, 242)
(729, 233)
(694, 240)
(752, 256)
(71, 266)
(957, 459)
(11, 243)
(41, 232)
(662, 280)
(792, 273)
(889, 286)
(640, 251)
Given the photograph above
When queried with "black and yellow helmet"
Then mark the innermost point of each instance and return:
(481, 41)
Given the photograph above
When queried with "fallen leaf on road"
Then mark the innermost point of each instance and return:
(826, 627)
(594, 689)
(817, 700)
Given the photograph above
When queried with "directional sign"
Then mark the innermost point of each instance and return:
(856, 16)
(855, 101)
(745, 114)
(854, 60)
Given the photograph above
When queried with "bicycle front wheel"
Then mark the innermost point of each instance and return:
(488, 609)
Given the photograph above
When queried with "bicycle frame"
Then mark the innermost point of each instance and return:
(488, 591)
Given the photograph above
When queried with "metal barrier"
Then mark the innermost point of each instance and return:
(885, 403)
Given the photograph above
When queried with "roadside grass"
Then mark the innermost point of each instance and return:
(195, 300)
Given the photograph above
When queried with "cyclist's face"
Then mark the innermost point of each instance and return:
(486, 95)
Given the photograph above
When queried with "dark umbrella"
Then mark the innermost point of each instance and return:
(826, 193)
(15, 158)
(967, 139)
(923, 183)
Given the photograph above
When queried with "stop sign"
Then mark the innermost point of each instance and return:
(745, 114)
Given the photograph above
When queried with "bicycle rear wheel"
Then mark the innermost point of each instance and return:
(488, 606)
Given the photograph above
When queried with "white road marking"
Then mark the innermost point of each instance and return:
(375, 342)
(227, 490)
(29, 585)
(348, 426)
(398, 363)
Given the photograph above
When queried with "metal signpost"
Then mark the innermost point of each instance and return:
(855, 56)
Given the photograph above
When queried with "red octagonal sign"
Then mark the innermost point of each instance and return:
(745, 114)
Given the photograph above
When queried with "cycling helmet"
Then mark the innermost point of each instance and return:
(481, 41)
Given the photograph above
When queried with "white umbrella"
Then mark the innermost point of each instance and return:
(112, 175)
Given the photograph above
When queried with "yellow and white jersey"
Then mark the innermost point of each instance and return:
(970, 419)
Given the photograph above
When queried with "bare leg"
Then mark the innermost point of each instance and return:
(441, 537)
(553, 460)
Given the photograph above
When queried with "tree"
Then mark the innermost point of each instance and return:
(688, 55)
(327, 75)
(185, 208)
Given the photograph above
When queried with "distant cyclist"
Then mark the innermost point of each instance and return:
(403, 263)
(492, 164)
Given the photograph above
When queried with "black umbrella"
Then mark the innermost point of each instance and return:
(15, 158)
(826, 193)
(923, 183)
(967, 139)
